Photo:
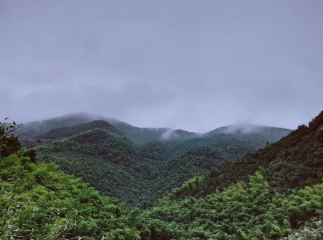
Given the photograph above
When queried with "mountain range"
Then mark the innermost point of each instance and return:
(240, 188)
(138, 165)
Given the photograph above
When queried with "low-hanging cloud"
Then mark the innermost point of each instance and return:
(177, 64)
(241, 128)
(169, 134)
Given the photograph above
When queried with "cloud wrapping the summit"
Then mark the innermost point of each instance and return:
(193, 65)
(169, 134)
(242, 128)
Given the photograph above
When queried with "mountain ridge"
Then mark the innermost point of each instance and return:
(156, 165)
(141, 135)
(270, 193)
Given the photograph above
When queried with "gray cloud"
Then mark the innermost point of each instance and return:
(169, 134)
(194, 65)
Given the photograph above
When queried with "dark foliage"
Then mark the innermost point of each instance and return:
(8, 144)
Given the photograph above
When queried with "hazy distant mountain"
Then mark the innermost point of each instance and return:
(144, 135)
(64, 132)
(32, 129)
(247, 129)
(140, 135)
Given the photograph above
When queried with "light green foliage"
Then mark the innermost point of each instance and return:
(41, 202)
(238, 212)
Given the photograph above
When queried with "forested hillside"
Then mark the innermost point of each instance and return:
(293, 162)
(133, 169)
(273, 193)
(279, 197)
(32, 129)
(140, 135)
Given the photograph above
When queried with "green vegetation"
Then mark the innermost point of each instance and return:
(8, 144)
(240, 211)
(293, 162)
(137, 171)
(273, 193)
(41, 202)
(34, 195)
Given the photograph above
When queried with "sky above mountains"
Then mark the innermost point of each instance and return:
(193, 65)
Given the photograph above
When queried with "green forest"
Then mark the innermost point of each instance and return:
(136, 165)
(94, 180)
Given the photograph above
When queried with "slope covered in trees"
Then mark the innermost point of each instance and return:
(293, 162)
(41, 202)
(38, 201)
(135, 170)
(268, 194)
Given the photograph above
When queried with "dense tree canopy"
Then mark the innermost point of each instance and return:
(139, 171)
(273, 193)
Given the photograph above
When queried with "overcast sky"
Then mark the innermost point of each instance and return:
(186, 64)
